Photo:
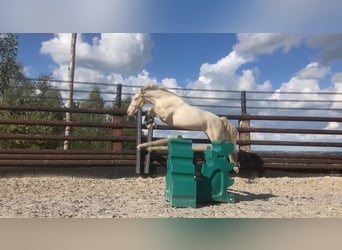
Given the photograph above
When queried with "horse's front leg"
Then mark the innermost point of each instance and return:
(149, 118)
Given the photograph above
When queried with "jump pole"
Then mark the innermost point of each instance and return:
(148, 156)
(139, 135)
(159, 142)
(165, 148)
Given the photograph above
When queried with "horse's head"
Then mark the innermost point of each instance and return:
(137, 103)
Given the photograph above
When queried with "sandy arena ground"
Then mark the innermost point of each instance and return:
(136, 197)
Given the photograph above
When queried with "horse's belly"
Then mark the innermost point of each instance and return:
(189, 119)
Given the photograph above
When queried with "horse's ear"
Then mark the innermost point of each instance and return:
(146, 87)
(140, 91)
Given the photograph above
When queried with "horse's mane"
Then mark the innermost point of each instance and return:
(156, 87)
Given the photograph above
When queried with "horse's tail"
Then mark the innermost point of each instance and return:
(231, 132)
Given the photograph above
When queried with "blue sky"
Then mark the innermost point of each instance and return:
(273, 63)
(177, 55)
(272, 58)
(29, 56)
(181, 55)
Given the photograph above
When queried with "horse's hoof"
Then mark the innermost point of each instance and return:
(236, 170)
(151, 125)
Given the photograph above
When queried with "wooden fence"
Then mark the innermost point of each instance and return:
(326, 158)
(258, 142)
(310, 148)
(73, 157)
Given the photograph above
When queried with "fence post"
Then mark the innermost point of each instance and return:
(118, 98)
(243, 103)
(117, 120)
(246, 136)
(139, 140)
(148, 155)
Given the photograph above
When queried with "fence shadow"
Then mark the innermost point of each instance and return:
(247, 196)
(111, 172)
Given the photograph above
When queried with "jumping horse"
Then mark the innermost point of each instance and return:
(174, 111)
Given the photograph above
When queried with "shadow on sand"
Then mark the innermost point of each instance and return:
(247, 196)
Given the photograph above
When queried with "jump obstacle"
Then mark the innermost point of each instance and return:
(188, 183)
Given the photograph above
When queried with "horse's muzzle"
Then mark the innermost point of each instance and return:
(131, 111)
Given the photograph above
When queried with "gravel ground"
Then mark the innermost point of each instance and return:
(136, 197)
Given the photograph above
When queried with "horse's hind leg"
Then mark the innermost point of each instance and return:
(233, 158)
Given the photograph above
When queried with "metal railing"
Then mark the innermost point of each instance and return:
(263, 126)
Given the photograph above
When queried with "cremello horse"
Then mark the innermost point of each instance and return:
(174, 111)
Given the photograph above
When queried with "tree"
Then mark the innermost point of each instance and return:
(128, 145)
(39, 93)
(9, 68)
(47, 94)
(94, 101)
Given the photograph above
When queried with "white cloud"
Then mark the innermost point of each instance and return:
(169, 83)
(306, 82)
(219, 75)
(120, 53)
(337, 82)
(223, 75)
(247, 81)
(58, 48)
(109, 58)
(250, 46)
(313, 71)
(228, 64)
(330, 45)
(307, 79)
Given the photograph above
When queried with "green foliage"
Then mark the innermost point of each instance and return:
(128, 132)
(94, 101)
(40, 93)
(9, 68)
(48, 95)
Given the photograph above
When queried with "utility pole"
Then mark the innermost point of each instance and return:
(70, 88)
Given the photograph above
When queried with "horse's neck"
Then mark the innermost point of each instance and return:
(157, 96)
